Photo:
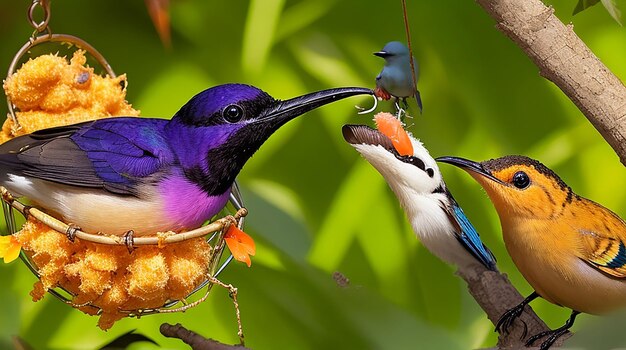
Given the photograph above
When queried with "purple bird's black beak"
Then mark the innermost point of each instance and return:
(287, 110)
(468, 165)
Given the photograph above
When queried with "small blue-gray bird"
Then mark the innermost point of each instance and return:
(396, 79)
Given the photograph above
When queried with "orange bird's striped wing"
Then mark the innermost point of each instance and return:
(607, 254)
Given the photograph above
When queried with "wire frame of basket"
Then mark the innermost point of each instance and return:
(214, 231)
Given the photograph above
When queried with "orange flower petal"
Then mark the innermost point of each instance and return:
(240, 244)
(9, 248)
(391, 127)
(238, 250)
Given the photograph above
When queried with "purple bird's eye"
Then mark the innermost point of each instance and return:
(233, 113)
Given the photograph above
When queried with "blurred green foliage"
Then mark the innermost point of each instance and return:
(315, 206)
(610, 5)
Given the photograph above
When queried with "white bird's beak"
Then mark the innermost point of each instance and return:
(364, 135)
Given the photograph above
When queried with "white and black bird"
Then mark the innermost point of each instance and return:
(436, 218)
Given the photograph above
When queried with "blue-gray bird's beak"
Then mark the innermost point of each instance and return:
(284, 111)
(468, 165)
(381, 53)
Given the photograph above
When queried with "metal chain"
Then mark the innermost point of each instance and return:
(40, 26)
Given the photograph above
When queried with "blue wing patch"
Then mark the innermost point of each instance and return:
(620, 258)
(124, 148)
(470, 238)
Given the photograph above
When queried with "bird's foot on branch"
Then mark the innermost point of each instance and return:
(553, 335)
(506, 320)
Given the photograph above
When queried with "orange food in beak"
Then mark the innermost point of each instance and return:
(392, 127)
(240, 244)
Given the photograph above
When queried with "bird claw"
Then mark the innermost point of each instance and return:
(553, 335)
(129, 240)
(401, 112)
(71, 231)
(506, 320)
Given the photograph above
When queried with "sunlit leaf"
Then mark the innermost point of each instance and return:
(262, 21)
(362, 186)
(613, 10)
(301, 15)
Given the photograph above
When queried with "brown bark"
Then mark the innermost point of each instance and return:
(495, 294)
(194, 340)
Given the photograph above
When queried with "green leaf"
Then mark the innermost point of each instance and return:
(611, 7)
(584, 4)
(263, 19)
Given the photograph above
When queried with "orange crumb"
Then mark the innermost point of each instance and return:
(392, 127)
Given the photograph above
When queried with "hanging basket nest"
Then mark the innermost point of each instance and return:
(110, 276)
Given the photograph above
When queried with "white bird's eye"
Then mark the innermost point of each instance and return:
(413, 161)
(418, 163)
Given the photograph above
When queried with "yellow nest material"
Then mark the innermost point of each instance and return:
(50, 91)
(110, 277)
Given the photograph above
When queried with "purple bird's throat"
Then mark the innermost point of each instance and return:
(186, 205)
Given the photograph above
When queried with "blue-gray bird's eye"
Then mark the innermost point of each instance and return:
(233, 113)
(521, 180)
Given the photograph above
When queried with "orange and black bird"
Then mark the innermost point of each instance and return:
(570, 249)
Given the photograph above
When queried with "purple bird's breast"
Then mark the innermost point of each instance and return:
(186, 205)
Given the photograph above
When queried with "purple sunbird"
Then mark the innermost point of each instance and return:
(149, 175)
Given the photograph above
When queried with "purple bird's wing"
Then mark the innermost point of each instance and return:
(114, 154)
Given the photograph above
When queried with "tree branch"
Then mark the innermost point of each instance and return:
(194, 340)
(495, 294)
(565, 60)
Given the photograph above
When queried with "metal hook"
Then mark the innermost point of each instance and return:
(362, 110)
